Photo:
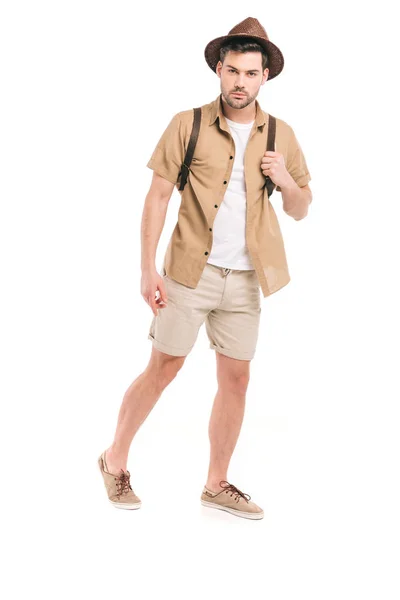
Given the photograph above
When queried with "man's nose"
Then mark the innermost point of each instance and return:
(239, 82)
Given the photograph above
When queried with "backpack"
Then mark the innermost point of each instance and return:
(184, 172)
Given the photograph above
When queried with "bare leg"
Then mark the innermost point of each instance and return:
(226, 416)
(138, 401)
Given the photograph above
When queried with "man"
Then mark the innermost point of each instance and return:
(226, 245)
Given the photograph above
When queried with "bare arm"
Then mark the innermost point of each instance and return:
(296, 200)
(153, 219)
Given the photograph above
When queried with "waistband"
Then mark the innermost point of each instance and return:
(226, 270)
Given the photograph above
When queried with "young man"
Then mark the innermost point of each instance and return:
(226, 245)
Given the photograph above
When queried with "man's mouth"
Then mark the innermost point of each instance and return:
(238, 94)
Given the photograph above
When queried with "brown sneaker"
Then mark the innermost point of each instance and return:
(118, 487)
(231, 499)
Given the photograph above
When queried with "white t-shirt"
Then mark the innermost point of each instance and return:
(229, 240)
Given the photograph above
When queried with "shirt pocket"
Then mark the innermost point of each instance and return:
(201, 160)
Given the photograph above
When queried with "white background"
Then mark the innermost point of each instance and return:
(87, 90)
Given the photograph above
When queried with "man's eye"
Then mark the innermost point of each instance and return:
(233, 71)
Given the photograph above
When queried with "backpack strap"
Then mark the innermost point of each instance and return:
(191, 146)
(269, 184)
(184, 172)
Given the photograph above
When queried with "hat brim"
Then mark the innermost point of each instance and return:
(275, 56)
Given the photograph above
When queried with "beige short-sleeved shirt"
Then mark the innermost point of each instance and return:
(210, 171)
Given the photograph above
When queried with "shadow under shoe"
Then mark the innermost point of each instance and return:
(118, 487)
(231, 499)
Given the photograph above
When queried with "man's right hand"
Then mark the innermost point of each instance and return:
(152, 282)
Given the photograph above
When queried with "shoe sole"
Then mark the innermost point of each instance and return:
(238, 513)
(126, 506)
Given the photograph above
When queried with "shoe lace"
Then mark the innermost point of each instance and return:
(234, 491)
(123, 483)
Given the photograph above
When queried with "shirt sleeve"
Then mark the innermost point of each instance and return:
(296, 163)
(168, 154)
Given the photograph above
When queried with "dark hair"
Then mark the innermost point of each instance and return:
(243, 45)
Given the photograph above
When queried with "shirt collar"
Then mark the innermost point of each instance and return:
(216, 111)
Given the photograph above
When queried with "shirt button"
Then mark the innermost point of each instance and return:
(210, 229)
(205, 252)
(225, 182)
(215, 205)
(231, 157)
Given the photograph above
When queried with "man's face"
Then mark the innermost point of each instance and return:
(241, 72)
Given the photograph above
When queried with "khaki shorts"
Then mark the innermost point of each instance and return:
(229, 302)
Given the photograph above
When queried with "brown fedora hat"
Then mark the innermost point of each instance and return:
(249, 28)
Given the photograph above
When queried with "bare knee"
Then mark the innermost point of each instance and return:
(233, 375)
(234, 383)
(164, 367)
